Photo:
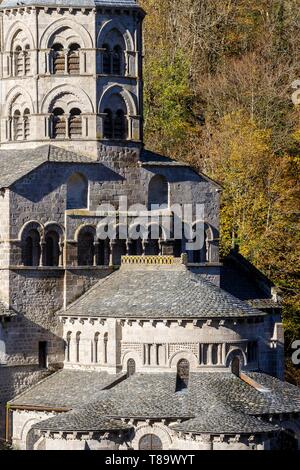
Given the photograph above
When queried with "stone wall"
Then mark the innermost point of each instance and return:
(13, 381)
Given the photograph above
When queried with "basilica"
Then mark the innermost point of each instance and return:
(118, 342)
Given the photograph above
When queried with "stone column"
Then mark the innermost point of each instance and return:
(219, 354)
(224, 354)
(61, 254)
(66, 61)
(96, 251)
(66, 117)
(157, 354)
(112, 252)
(43, 253)
(209, 354)
(24, 61)
(13, 65)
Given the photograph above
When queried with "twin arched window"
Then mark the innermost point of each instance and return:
(66, 61)
(66, 126)
(22, 61)
(21, 125)
(37, 252)
(92, 252)
(115, 125)
(112, 60)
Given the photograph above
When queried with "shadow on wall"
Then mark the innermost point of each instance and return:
(41, 357)
(49, 177)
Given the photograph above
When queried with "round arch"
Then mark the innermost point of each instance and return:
(57, 25)
(75, 96)
(13, 30)
(84, 228)
(160, 230)
(120, 228)
(237, 352)
(26, 437)
(208, 229)
(159, 430)
(118, 25)
(179, 356)
(13, 95)
(31, 225)
(117, 90)
(131, 355)
(54, 226)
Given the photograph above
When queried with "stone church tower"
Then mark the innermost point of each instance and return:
(71, 74)
(185, 351)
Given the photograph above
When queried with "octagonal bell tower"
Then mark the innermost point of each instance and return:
(71, 75)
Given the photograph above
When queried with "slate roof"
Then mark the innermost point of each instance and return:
(152, 159)
(14, 164)
(158, 293)
(81, 422)
(214, 403)
(224, 421)
(68, 3)
(66, 389)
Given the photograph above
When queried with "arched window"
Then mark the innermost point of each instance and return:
(32, 249)
(152, 245)
(136, 247)
(75, 124)
(86, 248)
(150, 442)
(214, 354)
(19, 69)
(96, 348)
(78, 346)
(178, 248)
(26, 124)
(108, 124)
(105, 340)
(131, 368)
(74, 59)
(183, 374)
(106, 64)
(200, 251)
(68, 346)
(58, 55)
(117, 60)
(27, 59)
(77, 192)
(119, 249)
(103, 252)
(59, 124)
(236, 366)
(18, 126)
(158, 192)
(119, 128)
(52, 249)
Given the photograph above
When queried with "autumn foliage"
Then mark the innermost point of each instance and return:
(218, 94)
